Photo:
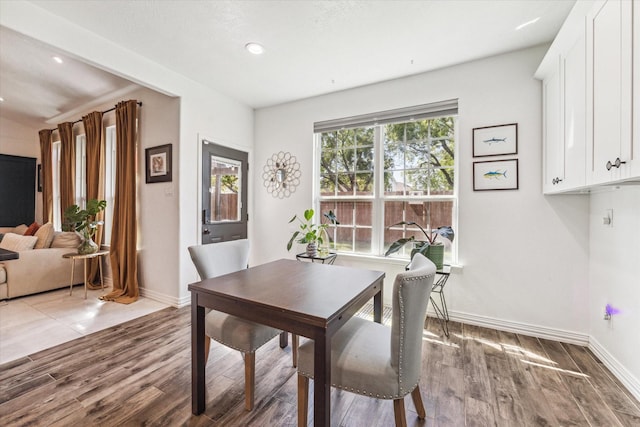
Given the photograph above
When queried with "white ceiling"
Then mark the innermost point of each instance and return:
(312, 47)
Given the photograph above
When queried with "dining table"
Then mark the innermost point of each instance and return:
(306, 299)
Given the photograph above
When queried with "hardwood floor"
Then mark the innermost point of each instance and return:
(138, 373)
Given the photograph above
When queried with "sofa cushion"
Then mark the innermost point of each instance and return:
(31, 230)
(20, 229)
(44, 235)
(3, 274)
(17, 243)
(1, 236)
(66, 239)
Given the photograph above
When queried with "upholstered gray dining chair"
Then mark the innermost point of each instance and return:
(217, 259)
(374, 360)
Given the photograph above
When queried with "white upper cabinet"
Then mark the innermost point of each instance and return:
(552, 130)
(591, 98)
(634, 164)
(609, 94)
(574, 114)
(563, 72)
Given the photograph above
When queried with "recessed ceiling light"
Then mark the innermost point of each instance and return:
(254, 48)
(1, 99)
(533, 21)
(58, 59)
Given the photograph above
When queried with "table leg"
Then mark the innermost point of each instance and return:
(73, 264)
(322, 380)
(284, 339)
(377, 305)
(101, 277)
(85, 278)
(197, 357)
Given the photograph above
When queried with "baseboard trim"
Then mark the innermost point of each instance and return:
(626, 378)
(165, 299)
(521, 328)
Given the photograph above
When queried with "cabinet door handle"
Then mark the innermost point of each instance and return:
(616, 163)
(556, 180)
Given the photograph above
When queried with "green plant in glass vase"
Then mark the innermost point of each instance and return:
(83, 222)
(310, 233)
(432, 247)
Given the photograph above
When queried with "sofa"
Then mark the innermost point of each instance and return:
(40, 266)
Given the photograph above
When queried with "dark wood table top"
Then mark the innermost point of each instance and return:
(315, 291)
(6, 255)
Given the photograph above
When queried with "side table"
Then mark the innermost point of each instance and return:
(442, 313)
(322, 259)
(74, 256)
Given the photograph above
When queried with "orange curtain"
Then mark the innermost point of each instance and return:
(67, 166)
(95, 183)
(123, 250)
(47, 175)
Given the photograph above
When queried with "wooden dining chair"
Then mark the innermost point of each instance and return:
(217, 259)
(374, 360)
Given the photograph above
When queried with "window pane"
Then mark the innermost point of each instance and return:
(363, 240)
(364, 159)
(364, 184)
(225, 189)
(344, 239)
(441, 181)
(429, 215)
(345, 160)
(327, 184)
(344, 212)
(417, 182)
(417, 154)
(364, 213)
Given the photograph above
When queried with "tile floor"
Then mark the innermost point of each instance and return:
(37, 322)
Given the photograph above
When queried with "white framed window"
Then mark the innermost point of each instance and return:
(109, 181)
(379, 169)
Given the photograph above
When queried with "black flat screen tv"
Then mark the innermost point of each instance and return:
(17, 190)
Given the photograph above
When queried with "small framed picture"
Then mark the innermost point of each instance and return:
(495, 175)
(497, 140)
(158, 164)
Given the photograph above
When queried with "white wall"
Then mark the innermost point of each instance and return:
(524, 255)
(17, 139)
(166, 266)
(614, 271)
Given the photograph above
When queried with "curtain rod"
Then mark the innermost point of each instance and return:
(104, 112)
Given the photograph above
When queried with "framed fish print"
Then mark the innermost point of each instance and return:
(495, 175)
(500, 140)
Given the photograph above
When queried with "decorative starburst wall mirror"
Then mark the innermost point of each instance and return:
(281, 175)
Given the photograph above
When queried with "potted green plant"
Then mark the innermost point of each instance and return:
(83, 222)
(310, 233)
(431, 247)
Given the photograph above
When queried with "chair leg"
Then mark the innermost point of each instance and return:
(398, 412)
(417, 402)
(303, 400)
(249, 380)
(295, 341)
(207, 347)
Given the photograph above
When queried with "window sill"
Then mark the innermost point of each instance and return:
(455, 268)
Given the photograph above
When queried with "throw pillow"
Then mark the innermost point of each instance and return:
(31, 230)
(44, 235)
(15, 242)
(20, 229)
(66, 239)
(1, 236)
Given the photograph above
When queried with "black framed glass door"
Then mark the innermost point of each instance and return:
(224, 193)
